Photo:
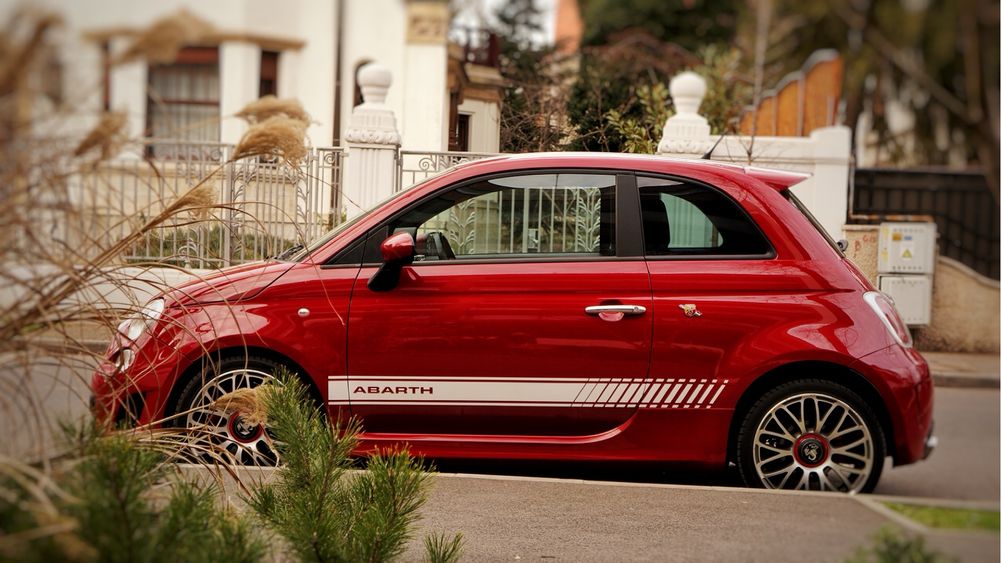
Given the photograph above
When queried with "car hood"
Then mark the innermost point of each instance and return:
(230, 284)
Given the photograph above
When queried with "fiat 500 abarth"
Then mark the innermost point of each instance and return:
(565, 307)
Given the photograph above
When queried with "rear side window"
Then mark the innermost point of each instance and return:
(688, 219)
(813, 220)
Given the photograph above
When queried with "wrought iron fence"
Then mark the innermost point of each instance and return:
(963, 207)
(564, 219)
(264, 206)
(548, 220)
(414, 166)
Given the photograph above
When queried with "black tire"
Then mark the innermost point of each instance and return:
(218, 438)
(811, 434)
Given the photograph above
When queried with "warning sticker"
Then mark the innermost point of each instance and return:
(907, 250)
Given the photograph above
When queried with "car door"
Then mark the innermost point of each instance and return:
(526, 312)
(716, 282)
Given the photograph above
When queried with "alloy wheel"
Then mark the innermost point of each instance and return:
(248, 444)
(813, 441)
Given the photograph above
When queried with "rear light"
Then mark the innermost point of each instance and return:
(883, 306)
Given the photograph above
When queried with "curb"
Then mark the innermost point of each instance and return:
(967, 380)
(868, 499)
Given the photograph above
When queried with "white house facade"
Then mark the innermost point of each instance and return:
(309, 50)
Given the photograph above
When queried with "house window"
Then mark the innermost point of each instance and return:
(269, 74)
(183, 97)
(462, 132)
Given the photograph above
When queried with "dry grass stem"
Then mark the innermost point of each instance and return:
(17, 60)
(250, 403)
(161, 41)
(270, 106)
(283, 137)
(108, 135)
(198, 200)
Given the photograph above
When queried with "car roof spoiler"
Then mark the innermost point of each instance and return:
(780, 180)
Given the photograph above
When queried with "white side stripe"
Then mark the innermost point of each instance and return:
(524, 391)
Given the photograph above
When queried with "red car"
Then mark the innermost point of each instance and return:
(568, 307)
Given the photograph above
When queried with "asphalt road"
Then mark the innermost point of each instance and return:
(965, 465)
(529, 519)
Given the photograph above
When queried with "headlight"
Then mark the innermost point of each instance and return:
(124, 359)
(135, 327)
(153, 310)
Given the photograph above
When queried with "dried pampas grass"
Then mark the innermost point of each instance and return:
(20, 54)
(250, 403)
(107, 135)
(283, 137)
(197, 200)
(270, 106)
(161, 41)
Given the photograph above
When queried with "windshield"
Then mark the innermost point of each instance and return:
(813, 220)
(298, 252)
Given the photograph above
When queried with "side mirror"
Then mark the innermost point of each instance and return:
(397, 247)
(843, 245)
(397, 251)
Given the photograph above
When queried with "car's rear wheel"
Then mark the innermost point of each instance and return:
(811, 435)
(227, 436)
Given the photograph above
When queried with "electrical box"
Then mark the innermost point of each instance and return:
(906, 248)
(911, 294)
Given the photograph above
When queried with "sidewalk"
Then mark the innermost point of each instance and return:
(506, 518)
(964, 370)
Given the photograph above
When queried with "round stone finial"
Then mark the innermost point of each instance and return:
(374, 81)
(687, 90)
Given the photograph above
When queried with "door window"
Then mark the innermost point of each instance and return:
(681, 218)
(559, 214)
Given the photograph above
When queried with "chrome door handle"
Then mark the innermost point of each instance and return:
(624, 309)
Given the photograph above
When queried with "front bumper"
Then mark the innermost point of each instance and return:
(931, 441)
(136, 395)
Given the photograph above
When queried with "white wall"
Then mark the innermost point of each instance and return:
(484, 125)
(424, 121)
(825, 155)
(376, 31)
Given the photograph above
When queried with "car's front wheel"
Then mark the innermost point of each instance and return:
(811, 435)
(226, 436)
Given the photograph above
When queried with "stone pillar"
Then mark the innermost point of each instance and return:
(686, 133)
(372, 143)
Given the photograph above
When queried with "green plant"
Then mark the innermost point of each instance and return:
(957, 518)
(115, 499)
(443, 549)
(890, 545)
(322, 511)
(640, 126)
(641, 134)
